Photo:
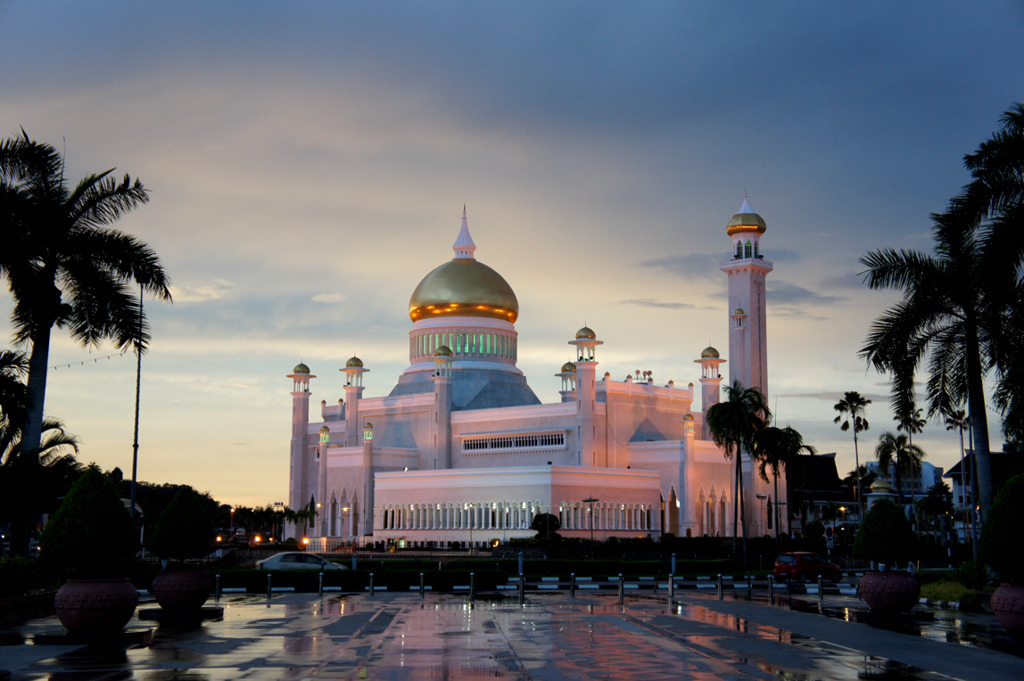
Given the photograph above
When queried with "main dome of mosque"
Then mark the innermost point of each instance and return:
(463, 287)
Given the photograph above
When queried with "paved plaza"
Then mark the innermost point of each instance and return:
(550, 637)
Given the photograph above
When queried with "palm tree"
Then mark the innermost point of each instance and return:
(942, 316)
(897, 450)
(958, 420)
(910, 421)
(851, 415)
(775, 448)
(64, 266)
(13, 393)
(735, 424)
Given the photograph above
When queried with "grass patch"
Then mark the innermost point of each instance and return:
(951, 592)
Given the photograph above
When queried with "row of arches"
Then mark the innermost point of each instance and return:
(579, 515)
(510, 515)
(747, 249)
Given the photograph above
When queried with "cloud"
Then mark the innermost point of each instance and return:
(689, 265)
(201, 294)
(329, 298)
(786, 294)
(849, 279)
(650, 302)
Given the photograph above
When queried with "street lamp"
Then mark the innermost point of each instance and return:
(344, 524)
(232, 522)
(469, 509)
(590, 511)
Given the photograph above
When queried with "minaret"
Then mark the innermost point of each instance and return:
(748, 346)
(568, 376)
(366, 521)
(441, 428)
(748, 349)
(586, 394)
(353, 393)
(710, 384)
(323, 511)
(298, 491)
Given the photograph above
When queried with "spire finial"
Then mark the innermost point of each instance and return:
(464, 246)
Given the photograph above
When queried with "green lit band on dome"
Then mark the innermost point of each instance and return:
(465, 288)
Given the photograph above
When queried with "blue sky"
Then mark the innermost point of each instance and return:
(309, 162)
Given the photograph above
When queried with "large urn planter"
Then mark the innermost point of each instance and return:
(182, 589)
(889, 591)
(1008, 606)
(96, 606)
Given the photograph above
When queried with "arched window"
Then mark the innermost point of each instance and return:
(739, 249)
(748, 251)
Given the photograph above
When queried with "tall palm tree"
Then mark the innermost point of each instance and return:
(735, 424)
(897, 451)
(910, 421)
(851, 415)
(942, 317)
(959, 421)
(775, 448)
(64, 266)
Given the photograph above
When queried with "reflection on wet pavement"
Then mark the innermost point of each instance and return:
(400, 636)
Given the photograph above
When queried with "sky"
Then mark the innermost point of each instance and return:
(308, 164)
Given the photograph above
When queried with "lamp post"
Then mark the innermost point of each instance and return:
(344, 525)
(231, 524)
(590, 511)
(469, 509)
(138, 385)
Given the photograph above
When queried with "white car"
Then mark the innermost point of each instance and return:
(296, 560)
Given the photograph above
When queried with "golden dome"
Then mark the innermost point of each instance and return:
(688, 417)
(463, 287)
(746, 221)
(325, 429)
(354, 362)
(739, 311)
(881, 486)
(300, 368)
(568, 368)
(587, 333)
(709, 352)
(444, 351)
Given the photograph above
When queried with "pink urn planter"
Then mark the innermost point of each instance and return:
(96, 606)
(1008, 606)
(889, 591)
(182, 589)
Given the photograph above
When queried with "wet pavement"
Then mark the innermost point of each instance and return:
(549, 637)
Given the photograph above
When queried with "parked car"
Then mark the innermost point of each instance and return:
(296, 560)
(804, 566)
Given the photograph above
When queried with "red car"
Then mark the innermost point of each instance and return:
(804, 566)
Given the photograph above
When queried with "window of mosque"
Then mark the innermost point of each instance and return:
(542, 440)
(747, 250)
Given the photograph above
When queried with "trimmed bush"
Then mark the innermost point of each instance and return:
(885, 536)
(91, 534)
(1002, 537)
(184, 529)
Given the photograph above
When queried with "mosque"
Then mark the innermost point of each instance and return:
(461, 452)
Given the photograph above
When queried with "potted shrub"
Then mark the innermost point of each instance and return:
(1002, 547)
(91, 538)
(184, 531)
(886, 539)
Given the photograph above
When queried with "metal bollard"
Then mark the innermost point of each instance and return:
(622, 589)
(771, 589)
(423, 588)
(269, 575)
(472, 585)
(520, 562)
(821, 596)
(720, 595)
(671, 589)
(572, 585)
(216, 587)
(371, 583)
(673, 571)
(522, 589)
(320, 586)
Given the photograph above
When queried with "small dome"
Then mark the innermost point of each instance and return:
(354, 362)
(568, 368)
(739, 311)
(300, 368)
(325, 429)
(688, 417)
(586, 333)
(444, 351)
(880, 486)
(709, 352)
(746, 221)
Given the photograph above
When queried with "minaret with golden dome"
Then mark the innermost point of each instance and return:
(747, 270)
